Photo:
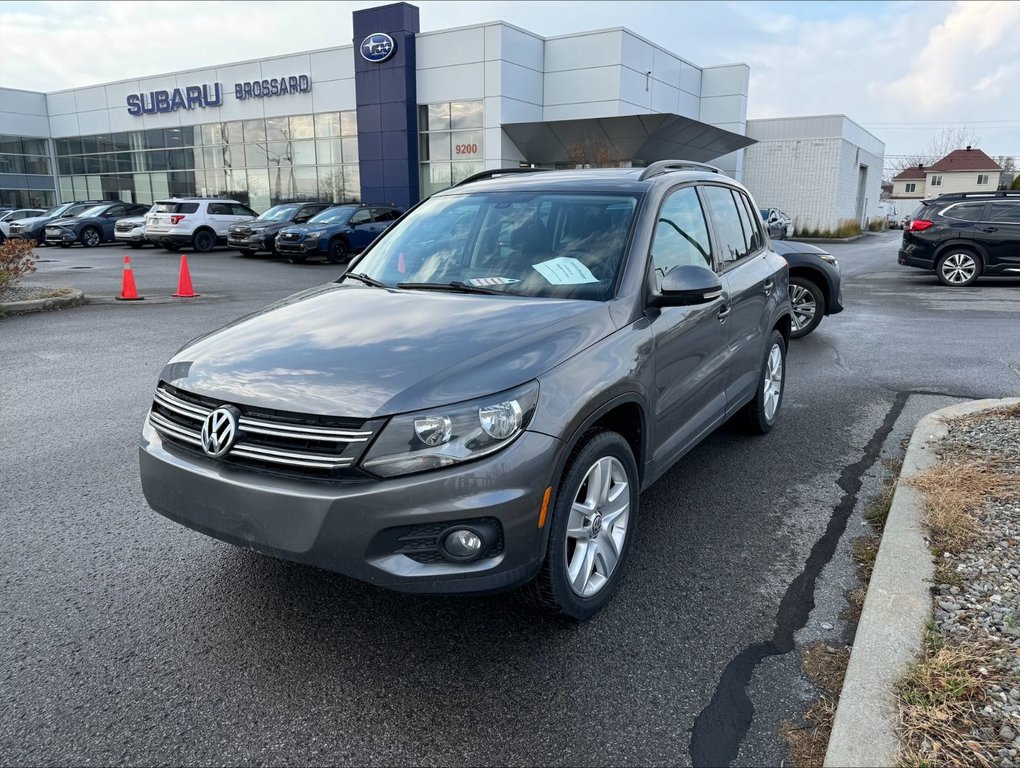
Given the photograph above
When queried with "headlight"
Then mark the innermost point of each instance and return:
(440, 437)
(828, 257)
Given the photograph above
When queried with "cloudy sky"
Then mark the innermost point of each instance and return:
(904, 70)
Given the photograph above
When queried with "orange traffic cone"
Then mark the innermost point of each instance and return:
(184, 289)
(128, 292)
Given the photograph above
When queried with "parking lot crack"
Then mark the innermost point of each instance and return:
(721, 726)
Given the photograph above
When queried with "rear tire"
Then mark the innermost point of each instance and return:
(591, 529)
(762, 413)
(247, 252)
(135, 245)
(203, 241)
(958, 268)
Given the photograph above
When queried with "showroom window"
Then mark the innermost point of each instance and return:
(260, 162)
(26, 155)
(450, 143)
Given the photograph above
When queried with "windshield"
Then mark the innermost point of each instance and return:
(332, 216)
(557, 245)
(54, 211)
(278, 213)
(96, 210)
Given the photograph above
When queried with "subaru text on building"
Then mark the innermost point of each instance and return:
(964, 236)
(337, 232)
(477, 403)
(260, 235)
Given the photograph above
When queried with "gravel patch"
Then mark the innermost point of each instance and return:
(32, 292)
(983, 607)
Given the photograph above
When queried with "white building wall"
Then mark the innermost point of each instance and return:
(810, 168)
(723, 103)
(23, 113)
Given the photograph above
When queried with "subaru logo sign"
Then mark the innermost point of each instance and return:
(377, 47)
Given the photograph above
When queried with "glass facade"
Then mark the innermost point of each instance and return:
(25, 155)
(258, 162)
(451, 143)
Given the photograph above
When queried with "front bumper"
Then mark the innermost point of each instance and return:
(348, 528)
(62, 238)
(245, 242)
(133, 236)
(297, 246)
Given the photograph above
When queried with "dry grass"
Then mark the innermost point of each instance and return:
(945, 573)
(953, 491)
(55, 293)
(854, 605)
(939, 703)
(808, 739)
(1005, 412)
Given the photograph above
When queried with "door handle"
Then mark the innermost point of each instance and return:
(724, 312)
(989, 229)
(768, 287)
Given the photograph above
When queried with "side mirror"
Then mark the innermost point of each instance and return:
(688, 285)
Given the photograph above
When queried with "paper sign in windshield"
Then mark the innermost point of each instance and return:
(564, 270)
(482, 282)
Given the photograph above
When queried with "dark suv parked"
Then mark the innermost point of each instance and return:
(477, 403)
(35, 228)
(92, 226)
(260, 234)
(336, 232)
(963, 236)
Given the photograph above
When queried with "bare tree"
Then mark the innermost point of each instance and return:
(594, 153)
(940, 145)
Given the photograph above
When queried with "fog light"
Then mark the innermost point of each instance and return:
(462, 544)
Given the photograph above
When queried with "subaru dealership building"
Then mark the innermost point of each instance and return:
(391, 118)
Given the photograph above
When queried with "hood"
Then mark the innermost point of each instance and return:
(34, 221)
(68, 221)
(260, 226)
(135, 221)
(362, 352)
(783, 247)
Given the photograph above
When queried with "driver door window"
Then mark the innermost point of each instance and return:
(361, 217)
(681, 234)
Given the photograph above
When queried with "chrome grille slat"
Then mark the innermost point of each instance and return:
(164, 425)
(260, 440)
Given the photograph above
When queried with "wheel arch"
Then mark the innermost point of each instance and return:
(964, 245)
(816, 277)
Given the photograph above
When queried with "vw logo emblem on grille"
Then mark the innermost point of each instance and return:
(377, 47)
(220, 431)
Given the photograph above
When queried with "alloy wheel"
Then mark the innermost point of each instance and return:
(772, 389)
(804, 306)
(959, 268)
(597, 526)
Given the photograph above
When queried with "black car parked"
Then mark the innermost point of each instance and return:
(251, 237)
(963, 236)
(92, 226)
(814, 284)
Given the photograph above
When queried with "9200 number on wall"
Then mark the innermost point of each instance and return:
(466, 149)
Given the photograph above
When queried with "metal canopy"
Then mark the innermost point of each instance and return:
(644, 138)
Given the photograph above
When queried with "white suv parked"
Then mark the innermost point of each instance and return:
(199, 222)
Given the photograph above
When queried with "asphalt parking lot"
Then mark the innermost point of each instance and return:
(129, 639)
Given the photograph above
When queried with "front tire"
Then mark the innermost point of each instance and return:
(136, 246)
(203, 241)
(958, 268)
(337, 253)
(762, 413)
(297, 258)
(808, 306)
(247, 252)
(593, 522)
(90, 237)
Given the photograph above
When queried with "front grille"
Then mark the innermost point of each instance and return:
(240, 231)
(421, 542)
(290, 236)
(268, 440)
(124, 227)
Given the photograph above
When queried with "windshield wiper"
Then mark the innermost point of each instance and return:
(455, 285)
(364, 278)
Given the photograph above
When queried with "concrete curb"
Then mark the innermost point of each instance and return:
(72, 299)
(896, 610)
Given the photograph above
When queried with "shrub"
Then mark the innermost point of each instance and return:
(16, 260)
(876, 223)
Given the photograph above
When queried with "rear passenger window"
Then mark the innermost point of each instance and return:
(757, 238)
(1008, 213)
(728, 226)
(681, 235)
(219, 209)
(965, 211)
(383, 215)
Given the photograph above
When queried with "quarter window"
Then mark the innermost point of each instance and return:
(681, 235)
(732, 246)
(752, 229)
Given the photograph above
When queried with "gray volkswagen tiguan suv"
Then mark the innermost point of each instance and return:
(478, 401)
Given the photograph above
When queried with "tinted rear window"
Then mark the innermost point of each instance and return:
(1008, 212)
(965, 211)
(171, 207)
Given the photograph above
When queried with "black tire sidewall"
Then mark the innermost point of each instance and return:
(197, 239)
(337, 253)
(954, 252)
(756, 408)
(819, 298)
(598, 445)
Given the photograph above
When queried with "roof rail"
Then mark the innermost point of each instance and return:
(495, 172)
(666, 166)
